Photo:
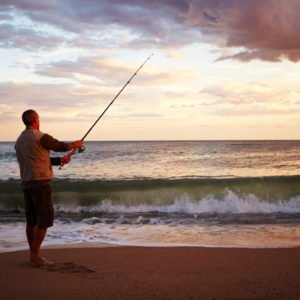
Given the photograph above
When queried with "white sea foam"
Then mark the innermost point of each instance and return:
(230, 203)
(242, 236)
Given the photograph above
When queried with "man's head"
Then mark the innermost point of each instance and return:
(31, 119)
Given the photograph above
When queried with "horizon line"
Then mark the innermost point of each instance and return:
(182, 140)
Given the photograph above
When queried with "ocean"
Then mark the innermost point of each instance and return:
(165, 193)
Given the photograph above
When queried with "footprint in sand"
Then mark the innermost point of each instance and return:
(66, 267)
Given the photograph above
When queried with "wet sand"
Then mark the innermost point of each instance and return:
(153, 273)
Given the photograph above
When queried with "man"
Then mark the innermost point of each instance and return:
(33, 154)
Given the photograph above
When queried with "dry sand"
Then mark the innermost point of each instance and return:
(153, 273)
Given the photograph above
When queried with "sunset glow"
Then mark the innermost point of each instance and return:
(222, 69)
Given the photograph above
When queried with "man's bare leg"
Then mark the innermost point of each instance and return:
(35, 237)
(30, 233)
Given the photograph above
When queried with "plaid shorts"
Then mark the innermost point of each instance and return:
(38, 203)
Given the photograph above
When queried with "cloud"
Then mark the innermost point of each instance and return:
(256, 110)
(89, 117)
(67, 101)
(101, 70)
(28, 39)
(267, 30)
(33, 5)
(70, 101)
(5, 16)
(145, 115)
(157, 23)
(244, 93)
(49, 96)
(7, 116)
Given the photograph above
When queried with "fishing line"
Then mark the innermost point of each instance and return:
(81, 149)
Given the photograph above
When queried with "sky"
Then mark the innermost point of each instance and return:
(221, 69)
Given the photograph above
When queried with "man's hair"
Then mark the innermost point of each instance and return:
(28, 117)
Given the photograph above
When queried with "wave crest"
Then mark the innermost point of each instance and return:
(231, 203)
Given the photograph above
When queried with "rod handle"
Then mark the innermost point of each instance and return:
(69, 155)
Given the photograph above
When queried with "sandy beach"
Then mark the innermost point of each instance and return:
(153, 273)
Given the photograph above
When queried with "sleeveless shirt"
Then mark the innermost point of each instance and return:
(33, 158)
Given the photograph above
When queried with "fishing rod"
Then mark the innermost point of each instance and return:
(82, 148)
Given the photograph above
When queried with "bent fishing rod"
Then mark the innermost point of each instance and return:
(81, 149)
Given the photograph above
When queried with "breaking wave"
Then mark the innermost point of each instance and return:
(188, 196)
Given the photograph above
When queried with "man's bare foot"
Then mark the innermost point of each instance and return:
(40, 261)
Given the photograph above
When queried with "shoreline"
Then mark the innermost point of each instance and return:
(126, 272)
(100, 245)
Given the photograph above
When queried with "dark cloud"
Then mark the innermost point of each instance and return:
(5, 16)
(28, 39)
(33, 5)
(267, 30)
(154, 23)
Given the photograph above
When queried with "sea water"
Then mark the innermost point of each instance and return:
(165, 193)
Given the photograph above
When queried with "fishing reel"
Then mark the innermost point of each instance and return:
(80, 149)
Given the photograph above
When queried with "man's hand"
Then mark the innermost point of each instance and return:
(75, 145)
(72, 146)
(65, 159)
